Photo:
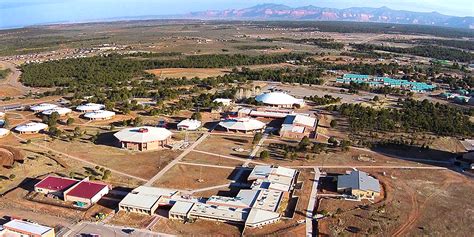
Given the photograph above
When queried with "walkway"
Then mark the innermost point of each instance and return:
(176, 160)
(80, 159)
(312, 203)
(368, 167)
(229, 157)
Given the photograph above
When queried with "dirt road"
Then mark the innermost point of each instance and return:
(12, 81)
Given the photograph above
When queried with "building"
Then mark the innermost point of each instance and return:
(143, 138)
(358, 184)
(54, 185)
(99, 115)
(265, 112)
(31, 128)
(42, 107)
(89, 107)
(244, 125)
(60, 110)
(181, 210)
(145, 200)
(4, 132)
(86, 193)
(189, 125)
(279, 99)
(385, 82)
(298, 126)
(223, 101)
(21, 228)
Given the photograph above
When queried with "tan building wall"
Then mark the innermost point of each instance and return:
(145, 146)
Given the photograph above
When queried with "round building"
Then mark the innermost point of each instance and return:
(244, 125)
(143, 138)
(99, 115)
(60, 110)
(31, 128)
(4, 132)
(42, 107)
(90, 107)
(279, 99)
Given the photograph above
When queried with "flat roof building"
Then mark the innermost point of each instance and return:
(143, 138)
(359, 184)
(145, 200)
(24, 228)
(223, 101)
(299, 126)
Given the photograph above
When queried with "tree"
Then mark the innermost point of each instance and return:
(138, 121)
(333, 123)
(304, 143)
(376, 98)
(70, 121)
(196, 116)
(77, 132)
(107, 174)
(6, 123)
(257, 137)
(345, 144)
(12, 176)
(332, 141)
(264, 155)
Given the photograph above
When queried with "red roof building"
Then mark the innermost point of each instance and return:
(86, 192)
(54, 185)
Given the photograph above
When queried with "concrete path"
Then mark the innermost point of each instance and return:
(229, 157)
(176, 160)
(211, 188)
(207, 165)
(251, 156)
(312, 203)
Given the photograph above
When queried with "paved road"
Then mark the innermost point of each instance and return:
(368, 167)
(177, 159)
(312, 203)
(109, 230)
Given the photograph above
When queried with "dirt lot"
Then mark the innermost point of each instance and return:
(412, 207)
(131, 219)
(200, 158)
(226, 145)
(141, 164)
(203, 227)
(189, 176)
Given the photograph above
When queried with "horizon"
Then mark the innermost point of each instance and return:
(14, 14)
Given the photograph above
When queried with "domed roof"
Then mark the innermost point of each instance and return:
(99, 114)
(43, 107)
(59, 110)
(90, 107)
(277, 98)
(242, 124)
(143, 134)
(31, 127)
(4, 132)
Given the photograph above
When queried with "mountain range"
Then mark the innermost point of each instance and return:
(313, 13)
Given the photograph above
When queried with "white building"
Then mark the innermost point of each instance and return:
(99, 115)
(242, 125)
(145, 200)
(189, 124)
(223, 101)
(143, 138)
(31, 128)
(20, 228)
(89, 107)
(42, 107)
(279, 99)
(4, 132)
(60, 110)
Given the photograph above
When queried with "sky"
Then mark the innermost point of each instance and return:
(18, 13)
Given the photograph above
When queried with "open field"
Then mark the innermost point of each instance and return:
(200, 158)
(187, 177)
(203, 227)
(411, 207)
(227, 145)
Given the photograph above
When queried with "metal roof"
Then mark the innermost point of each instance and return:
(278, 98)
(27, 227)
(143, 134)
(31, 127)
(242, 124)
(358, 180)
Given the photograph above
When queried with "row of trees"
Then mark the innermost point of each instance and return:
(412, 116)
